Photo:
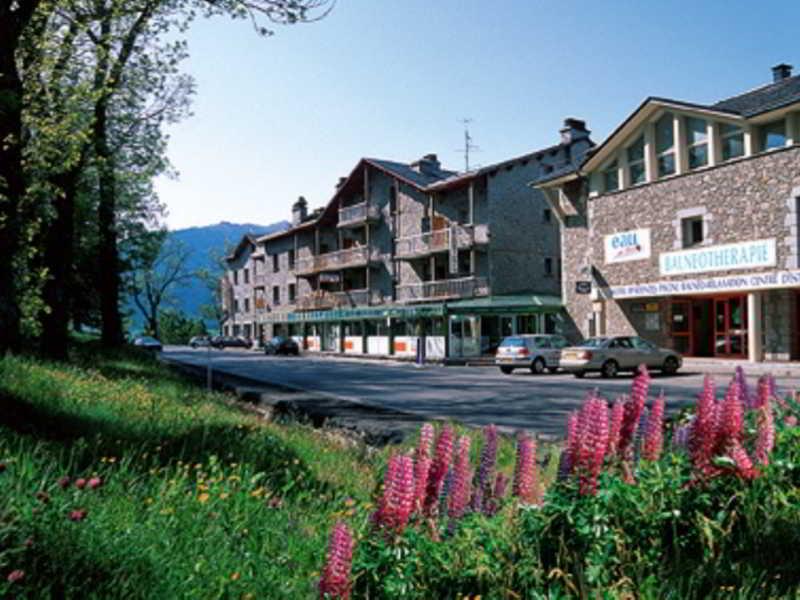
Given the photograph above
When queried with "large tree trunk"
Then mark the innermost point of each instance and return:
(58, 257)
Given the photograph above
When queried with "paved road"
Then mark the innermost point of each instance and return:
(473, 395)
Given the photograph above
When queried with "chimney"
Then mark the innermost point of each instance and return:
(340, 183)
(573, 130)
(781, 72)
(428, 165)
(299, 211)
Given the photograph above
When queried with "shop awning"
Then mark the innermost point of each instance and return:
(516, 303)
(377, 312)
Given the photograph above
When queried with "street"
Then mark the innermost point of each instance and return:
(471, 395)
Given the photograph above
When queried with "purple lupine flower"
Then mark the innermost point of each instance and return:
(525, 480)
(335, 580)
(492, 504)
(680, 437)
(486, 469)
(462, 480)
(749, 400)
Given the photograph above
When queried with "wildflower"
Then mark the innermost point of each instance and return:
(422, 468)
(78, 514)
(425, 440)
(567, 459)
(486, 470)
(525, 469)
(499, 492)
(203, 498)
(633, 410)
(744, 465)
(63, 482)
(398, 494)
(615, 425)
(592, 443)
(439, 468)
(235, 576)
(730, 421)
(462, 480)
(16, 576)
(80, 483)
(654, 437)
(702, 438)
(94, 483)
(335, 580)
(747, 398)
(766, 434)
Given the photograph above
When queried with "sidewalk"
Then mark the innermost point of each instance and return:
(728, 366)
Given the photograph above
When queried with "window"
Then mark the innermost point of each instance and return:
(732, 138)
(292, 293)
(247, 305)
(773, 135)
(636, 162)
(464, 263)
(611, 178)
(548, 267)
(692, 231)
(235, 305)
(291, 259)
(665, 145)
(697, 137)
(276, 295)
(236, 278)
(547, 215)
(276, 263)
(246, 275)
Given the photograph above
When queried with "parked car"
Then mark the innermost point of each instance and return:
(282, 345)
(200, 341)
(610, 355)
(534, 352)
(226, 341)
(148, 343)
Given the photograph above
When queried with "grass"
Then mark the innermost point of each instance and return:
(198, 498)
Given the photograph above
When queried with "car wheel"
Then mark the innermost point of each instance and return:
(670, 365)
(610, 369)
(506, 370)
(537, 366)
(579, 374)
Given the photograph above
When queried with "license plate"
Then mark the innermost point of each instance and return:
(506, 359)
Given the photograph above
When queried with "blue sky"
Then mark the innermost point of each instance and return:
(285, 116)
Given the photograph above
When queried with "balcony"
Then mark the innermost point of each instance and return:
(359, 256)
(358, 215)
(324, 300)
(425, 244)
(444, 289)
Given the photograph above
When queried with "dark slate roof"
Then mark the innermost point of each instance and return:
(763, 99)
(407, 173)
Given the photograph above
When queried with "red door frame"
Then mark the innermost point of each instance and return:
(727, 325)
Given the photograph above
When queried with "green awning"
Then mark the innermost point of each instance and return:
(377, 312)
(516, 303)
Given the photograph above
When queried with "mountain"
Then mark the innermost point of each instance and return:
(205, 243)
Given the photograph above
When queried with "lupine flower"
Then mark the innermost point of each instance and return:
(398, 494)
(486, 469)
(94, 483)
(615, 425)
(702, 439)
(593, 443)
(525, 480)
(335, 580)
(425, 440)
(78, 514)
(748, 399)
(462, 480)
(80, 483)
(730, 421)
(744, 465)
(654, 438)
(763, 392)
(681, 435)
(567, 459)
(16, 576)
(766, 434)
(422, 468)
(638, 438)
(498, 493)
(439, 468)
(633, 410)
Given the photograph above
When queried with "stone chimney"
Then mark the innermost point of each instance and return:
(428, 165)
(781, 72)
(573, 130)
(340, 183)
(299, 211)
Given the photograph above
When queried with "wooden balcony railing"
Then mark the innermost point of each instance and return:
(359, 256)
(424, 244)
(358, 214)
(323, 299)
(464, 287)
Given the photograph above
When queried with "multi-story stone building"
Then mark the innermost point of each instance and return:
(405, 254)
(682, 226)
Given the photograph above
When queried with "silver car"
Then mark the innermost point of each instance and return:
(610, 355)
(534, 352)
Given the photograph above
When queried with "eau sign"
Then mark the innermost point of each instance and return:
(627, 245)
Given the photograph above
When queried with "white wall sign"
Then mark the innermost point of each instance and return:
(627, 245)
(709, 285)
(744, 255)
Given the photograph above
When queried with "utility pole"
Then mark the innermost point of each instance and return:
(468, 145)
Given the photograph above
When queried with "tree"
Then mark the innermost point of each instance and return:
(178, 328)
(158, 268)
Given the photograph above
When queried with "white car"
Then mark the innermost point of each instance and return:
(610, 355)
(535, 352)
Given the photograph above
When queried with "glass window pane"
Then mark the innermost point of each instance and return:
(774, 135)
(696, 131)
(664, 134)
(637, 173)
(611, 177)
(666, 164)
(636, 150)
(698, 156)
(733, 146)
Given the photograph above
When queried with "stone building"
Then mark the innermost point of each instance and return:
(682, 226)
(409, 254)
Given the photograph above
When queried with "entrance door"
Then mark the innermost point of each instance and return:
(681, 326)
(730, 326)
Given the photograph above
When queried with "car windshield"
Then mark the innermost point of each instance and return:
(594, 342)
(513, 342)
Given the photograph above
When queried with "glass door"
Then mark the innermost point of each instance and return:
(730, 327)
(681, 326)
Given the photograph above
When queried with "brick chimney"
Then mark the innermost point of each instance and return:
(428, 165)
(573, 130)
(299, 211)
(781, 72)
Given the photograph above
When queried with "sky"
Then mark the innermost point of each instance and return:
(279, 117)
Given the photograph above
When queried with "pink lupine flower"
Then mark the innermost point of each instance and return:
(397, 501)
(703, 436)
(525, 470)
(422, 468)
(425, 440)
(492, 504)
(80, 483)
(16, 576)
(744, 465)
(486, 469)
(763, 393)
(335, 580)
(567, 459)
(462, 480)
(593, 443)
(633, 410)
(730, 419)
(654, 437)
(78, 514)
(94, 483)
(438, 471)
(766, 434)
(615, 425)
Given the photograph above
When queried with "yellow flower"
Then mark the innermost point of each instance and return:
(203, 498)
(235, 576)
(224, 496)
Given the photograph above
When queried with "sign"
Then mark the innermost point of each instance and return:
(329, 278)
(744, 255)
(708, 285)
(627, 245)
(583, 287)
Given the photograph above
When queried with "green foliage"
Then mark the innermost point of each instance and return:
(176, 327)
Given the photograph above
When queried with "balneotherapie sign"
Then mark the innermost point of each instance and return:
(627, 245)
(707, 285)
(743, 255)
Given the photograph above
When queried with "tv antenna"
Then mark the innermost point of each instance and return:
(468, 145)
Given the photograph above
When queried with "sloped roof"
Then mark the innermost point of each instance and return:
(248, 239)
(407, 173)
(763, 99)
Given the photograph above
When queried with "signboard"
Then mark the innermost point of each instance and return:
(627, 245)
(743, 255)
(329, 278)
(583, 287)
(708, 285)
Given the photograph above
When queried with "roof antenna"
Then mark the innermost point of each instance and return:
(468, 145)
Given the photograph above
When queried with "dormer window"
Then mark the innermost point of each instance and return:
(732, 137)
(636, 162)
(665, 145)
(611, 178)
(773, 135)
(697, 137)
